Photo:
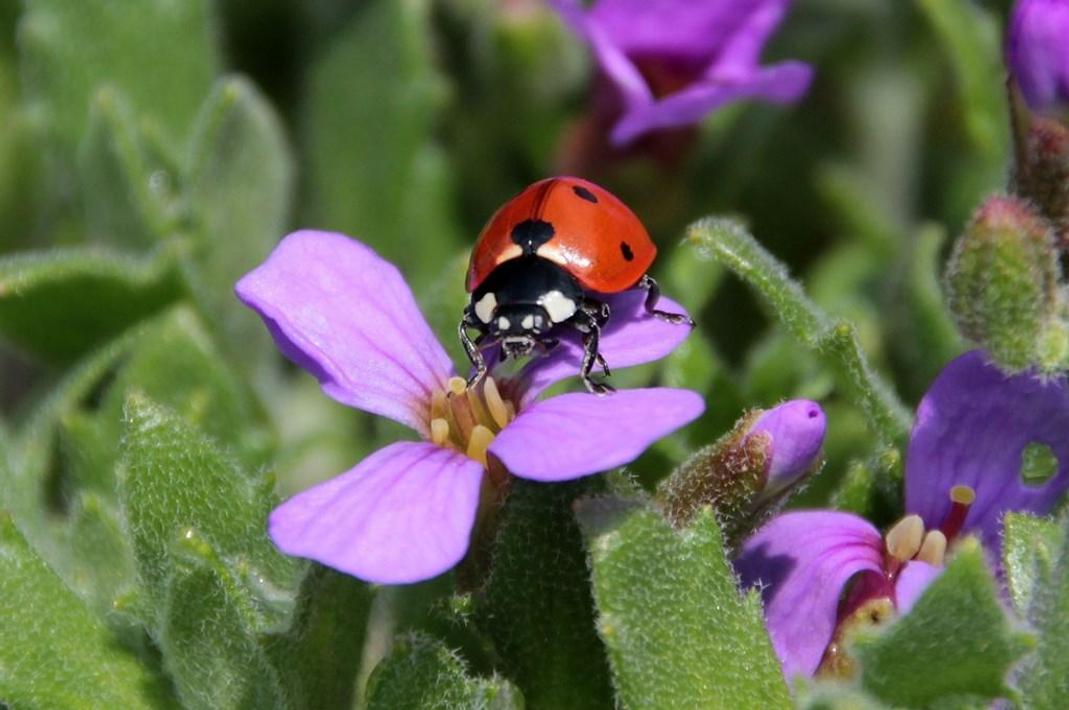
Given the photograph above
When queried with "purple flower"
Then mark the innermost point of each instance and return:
(406, 512)
(975, 433)
(1037, 51)
(671, 62)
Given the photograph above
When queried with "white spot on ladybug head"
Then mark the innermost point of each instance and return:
(528, 322)
(559, 307)
(484, 307)
(503, 323)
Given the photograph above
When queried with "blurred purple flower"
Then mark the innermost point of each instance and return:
(671, 62)
(1037, 51)
(406, 512)
(969, 447)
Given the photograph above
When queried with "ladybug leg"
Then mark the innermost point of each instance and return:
(587, 324)
(472, 347)
(653, 294)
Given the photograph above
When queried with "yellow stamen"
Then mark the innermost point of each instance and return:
(934, 548)
(478, 409)
(438, 404)
(904, 539)
(439, 431)
(964, 495)
(495, 404)
(457, 385)
(478, 442)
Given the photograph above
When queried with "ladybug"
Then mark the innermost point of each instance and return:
(540, 265)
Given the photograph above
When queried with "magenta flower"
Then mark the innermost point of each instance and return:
(671, 62)
(1037, 51)
(976, 434)
(406, 512)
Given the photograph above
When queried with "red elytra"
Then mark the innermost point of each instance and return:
(592, 235)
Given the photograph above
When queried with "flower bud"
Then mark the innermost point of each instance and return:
(750, 469)
(1037, 52)
(796, 430)
(1002, 283)
(1042, 172)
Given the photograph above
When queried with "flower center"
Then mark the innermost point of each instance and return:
(467, 419)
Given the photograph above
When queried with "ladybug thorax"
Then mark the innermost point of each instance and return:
(526, 297)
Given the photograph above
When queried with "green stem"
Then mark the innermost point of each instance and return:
(728, 243)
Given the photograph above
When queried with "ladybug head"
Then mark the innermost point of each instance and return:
(519, 327)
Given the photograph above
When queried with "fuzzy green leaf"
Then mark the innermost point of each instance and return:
(240, 186)
(129, 194)
(1030, 547)
(537, 608)
(955, 643)
(728, 243)
(60, 304)
(54, 653)
(207, 635)
(375, 172)
(422, 672)
(319, 657)
(1044, 678)
(678, 631)
(175, 363)
(163, 57)
(175, 481)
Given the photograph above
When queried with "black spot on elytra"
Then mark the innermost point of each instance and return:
(585, 194)
(531, 234)
(625, 249)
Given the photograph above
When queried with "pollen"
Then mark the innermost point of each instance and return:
(467, 419)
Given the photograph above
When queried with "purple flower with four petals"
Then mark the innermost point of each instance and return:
(1037, 51)
(975, 431)
(671, 62)
(406, 512)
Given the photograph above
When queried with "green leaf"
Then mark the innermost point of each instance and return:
(678, 631)
(537, 607)
(374, 171)
(62, 303)
(319, 657)
(1030, 548)
(240, 186)
(730, 244)
(163, 57)
(129, 195)
(102, 562)
(422, 672)
(174, 481)
(971, 38)
(207, 636)
(176, 364)
(1044, 678)
(53, 651)
(956, 642)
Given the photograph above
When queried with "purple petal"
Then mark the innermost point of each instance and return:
(631, 337)
(620, 70)
(579, 434)
(344, 314)
(972, 426)
(780, 83)
(404, 514)
(1038, 52)
(801, 562)
(696, 30)
(911, 583)
(797, 430)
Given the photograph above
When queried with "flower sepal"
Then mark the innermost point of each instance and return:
(749, 471)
